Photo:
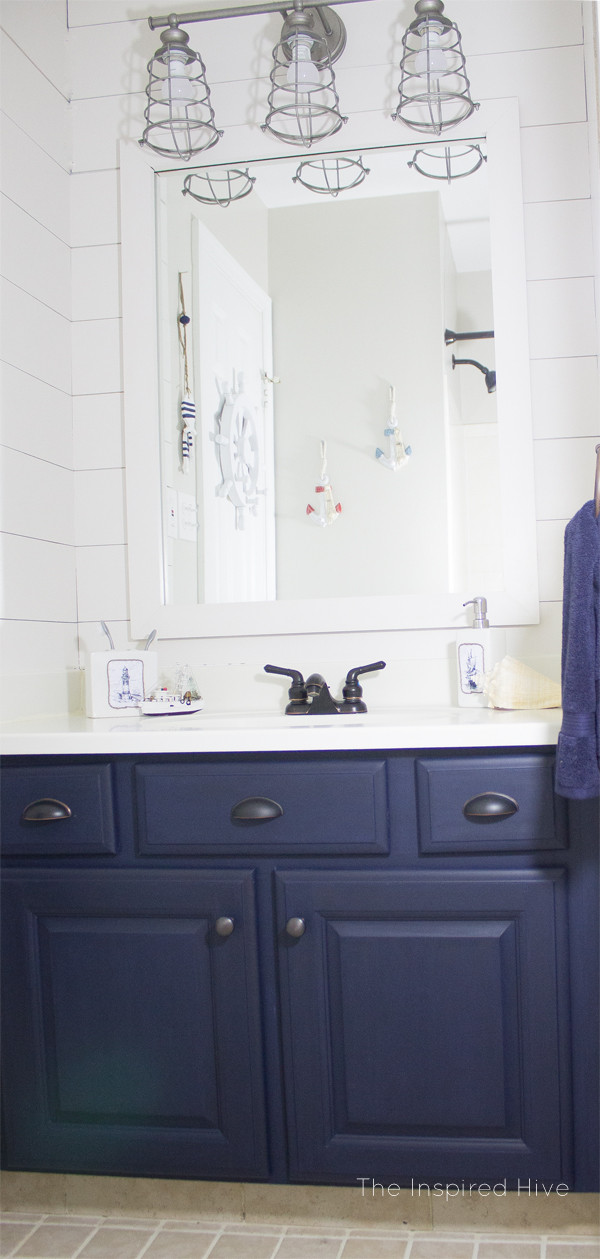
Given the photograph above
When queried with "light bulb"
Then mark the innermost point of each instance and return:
(177, 86)
(431, 58)
(303, 73)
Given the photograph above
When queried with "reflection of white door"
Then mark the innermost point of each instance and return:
(233, 357)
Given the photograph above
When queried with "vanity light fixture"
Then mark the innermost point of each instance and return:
(218, 186)
(180, 119)
(303, 104)
(331, 175)
(448, 161)
(434, 88)
(490, 376)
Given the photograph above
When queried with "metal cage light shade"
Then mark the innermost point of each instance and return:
(218, 186)
(448, 161)
(435, 93)
(331, 175)
(180, 119)
(303, 104)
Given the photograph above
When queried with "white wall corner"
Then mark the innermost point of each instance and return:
(591, 30)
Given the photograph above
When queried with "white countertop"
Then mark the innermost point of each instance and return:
(266, 732)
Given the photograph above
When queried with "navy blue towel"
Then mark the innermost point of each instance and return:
(578, 753)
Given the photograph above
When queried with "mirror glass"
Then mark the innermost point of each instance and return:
(322, 414)
(319, 455)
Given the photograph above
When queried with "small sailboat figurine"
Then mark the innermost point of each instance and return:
(397, 452)
(327, 510)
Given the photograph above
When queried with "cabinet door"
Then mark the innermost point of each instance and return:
(424, 1022)
(131, 1027)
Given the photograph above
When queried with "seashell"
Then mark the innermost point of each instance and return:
(511, 684)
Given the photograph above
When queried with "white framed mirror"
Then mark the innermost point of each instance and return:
(410, 543)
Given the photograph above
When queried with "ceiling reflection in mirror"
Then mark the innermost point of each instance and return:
(319, 437)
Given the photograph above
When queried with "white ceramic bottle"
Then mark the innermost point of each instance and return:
(477, 648)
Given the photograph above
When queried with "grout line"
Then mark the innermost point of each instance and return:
(548, 201)
(84, 1243)
(156, 1227)
(118, 393)
(39, 223)
(562, 357)
(119, 317)
(115, 244)
(120, 467)
(65, 170)
(220, 1234)
(154, 1234)
(33, 537)
(42, 74)
(29, 454)
(66, 393)
(29, 1234)
(46, 306)
(30, 620)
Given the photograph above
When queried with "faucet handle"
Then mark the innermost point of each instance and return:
(294, 674)
(297, 693)
(365, 668)
(352, 691)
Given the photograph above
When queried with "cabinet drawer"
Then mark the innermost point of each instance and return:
(56, 810)
(488, 804)
(311, 807)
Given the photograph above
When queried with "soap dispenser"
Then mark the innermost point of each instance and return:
(474, 648)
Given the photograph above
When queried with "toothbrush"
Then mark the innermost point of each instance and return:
(108, 635)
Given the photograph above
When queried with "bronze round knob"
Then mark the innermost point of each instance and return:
(295, 927)
(224, 926)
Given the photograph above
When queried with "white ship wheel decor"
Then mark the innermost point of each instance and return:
(237, 450)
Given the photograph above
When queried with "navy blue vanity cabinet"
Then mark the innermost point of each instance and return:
(132, 1041)
(306, 967)
(425, 1018)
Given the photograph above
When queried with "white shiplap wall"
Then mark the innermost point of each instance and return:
(532, 49)
(39, 632)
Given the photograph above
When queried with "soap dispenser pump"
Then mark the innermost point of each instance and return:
(473, 649)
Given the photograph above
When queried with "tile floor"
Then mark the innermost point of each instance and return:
(25, 1235)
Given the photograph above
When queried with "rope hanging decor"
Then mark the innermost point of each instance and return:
(187, 405)
(327, 511)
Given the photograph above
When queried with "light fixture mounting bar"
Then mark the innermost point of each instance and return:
(238, 10)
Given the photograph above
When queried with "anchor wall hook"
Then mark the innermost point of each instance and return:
(397, 452)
